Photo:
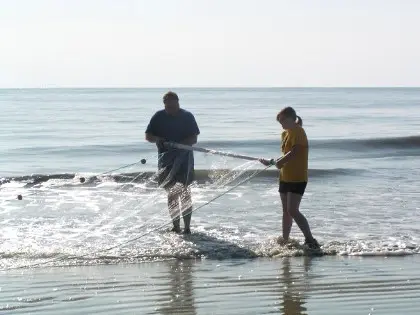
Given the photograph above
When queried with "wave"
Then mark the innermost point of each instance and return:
(203, 245)
(410, 142)
(87, 149)
(243, 146)
(201, 175)
(349, 144)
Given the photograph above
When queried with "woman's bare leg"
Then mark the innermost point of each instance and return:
(293, 203)
(287, 218)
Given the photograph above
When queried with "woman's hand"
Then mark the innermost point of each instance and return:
(266, 162)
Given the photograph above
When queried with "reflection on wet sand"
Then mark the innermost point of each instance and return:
(295, 284)
(180, 299)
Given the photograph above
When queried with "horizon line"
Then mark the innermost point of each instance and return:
(207, 87)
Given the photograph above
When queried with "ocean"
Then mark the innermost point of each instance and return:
(103, 246)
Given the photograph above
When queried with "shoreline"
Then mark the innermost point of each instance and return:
(292, 285)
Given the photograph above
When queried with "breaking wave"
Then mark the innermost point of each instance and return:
(201, 176)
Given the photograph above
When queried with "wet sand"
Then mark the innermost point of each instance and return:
(288, 285)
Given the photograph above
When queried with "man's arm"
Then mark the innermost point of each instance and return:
(193, 131)
(190, 140)
(152, 138)
(152, 130)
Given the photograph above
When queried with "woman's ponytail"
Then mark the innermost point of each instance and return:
(299, 121)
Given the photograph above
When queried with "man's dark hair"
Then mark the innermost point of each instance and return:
(170, 96)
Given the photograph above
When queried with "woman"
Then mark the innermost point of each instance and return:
(293, 174)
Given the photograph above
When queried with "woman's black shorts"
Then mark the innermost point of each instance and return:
(293, 187)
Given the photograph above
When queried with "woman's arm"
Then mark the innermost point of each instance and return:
(296, 149)
(285, 158)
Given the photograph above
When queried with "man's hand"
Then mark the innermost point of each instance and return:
(190, 140)
(160, 143)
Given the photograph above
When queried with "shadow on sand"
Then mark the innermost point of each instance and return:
(217, 248)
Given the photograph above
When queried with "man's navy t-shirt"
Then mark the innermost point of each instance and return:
(174, 128)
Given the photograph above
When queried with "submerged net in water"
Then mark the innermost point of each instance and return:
(122, 216)
(82, 218)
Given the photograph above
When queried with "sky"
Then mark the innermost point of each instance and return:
(209, 43)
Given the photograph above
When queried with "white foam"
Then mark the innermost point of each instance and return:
(85, 220)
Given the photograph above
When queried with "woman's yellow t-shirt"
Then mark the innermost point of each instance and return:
(296, 169)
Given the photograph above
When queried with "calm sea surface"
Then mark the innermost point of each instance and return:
(362, 203)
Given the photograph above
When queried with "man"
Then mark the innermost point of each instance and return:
(175, 166)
